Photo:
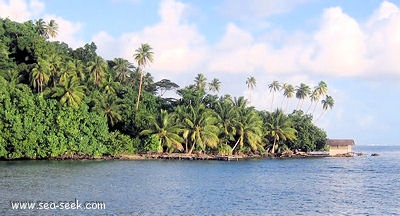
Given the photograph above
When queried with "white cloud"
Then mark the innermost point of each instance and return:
(339, 46)
(20, 10)
(67, 31)
(384, 39)
(255, 9)
(178, 46)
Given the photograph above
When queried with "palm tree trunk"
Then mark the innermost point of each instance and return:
(272, 104)
(237, 142)
(140, 89)
(273, 147)
(186, 145)
(191, 148)
(309, 107)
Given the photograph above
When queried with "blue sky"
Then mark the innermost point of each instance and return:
(352, 45)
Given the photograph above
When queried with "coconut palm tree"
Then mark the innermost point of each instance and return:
(279, 127)
(143, 56)
(314, 97)
(51, 29)
(288, 92)
(328, 102)
(54, 61)
(248, 130)
(302, 92)
(70, 92)
(201, 125)
(200, 82)
(122, 68)
(111, 106)
(214, 85)
(41, 27)
(97, 69)
(251, 84)
(322, 90)
(227, 119)
(274, 87)
(109, 85)
(40, 75)
(164, 127)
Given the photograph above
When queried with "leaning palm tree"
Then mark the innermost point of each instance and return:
(143, 56)
(302, 92)
(251, 83)
(164, 127)
(214, 85)
(314, 97)
(322, 90)
(288, 92)
(328, 102)
(274, 87)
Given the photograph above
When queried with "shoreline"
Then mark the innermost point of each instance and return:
(184, 156)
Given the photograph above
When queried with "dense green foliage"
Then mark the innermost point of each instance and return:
(57, 101)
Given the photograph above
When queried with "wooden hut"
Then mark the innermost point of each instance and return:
(340, 146)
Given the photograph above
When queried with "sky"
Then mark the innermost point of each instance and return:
(352, 45)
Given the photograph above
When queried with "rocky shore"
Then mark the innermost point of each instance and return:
(199, 156)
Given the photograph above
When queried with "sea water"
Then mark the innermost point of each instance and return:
(362, 185)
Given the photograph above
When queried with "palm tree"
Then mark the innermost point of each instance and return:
(41, 27)
(278, 127)
(322, 90)
(200, 82)
(111, 107)
(227, 118)
(109, 85)
(288, 92)
(54, 66)
(70, 92)
(214, 85)
(251, 83)
(51, 29)
(40, 75)
(201, 125)
(164, 127)
(328, 102)
(122, 68)
(47, 30)
(248, 129)
(314, 97)
(143, 56)
(97, 70)
(273, 87)
(302, 92)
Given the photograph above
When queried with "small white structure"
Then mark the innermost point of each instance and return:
(340, 146)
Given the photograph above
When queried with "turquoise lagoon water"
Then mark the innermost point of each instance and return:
(315, 186)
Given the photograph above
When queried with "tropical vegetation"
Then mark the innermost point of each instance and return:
(55, 101)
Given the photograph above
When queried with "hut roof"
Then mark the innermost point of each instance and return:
(340, 142)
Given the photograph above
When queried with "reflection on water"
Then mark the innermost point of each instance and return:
(325, 186)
